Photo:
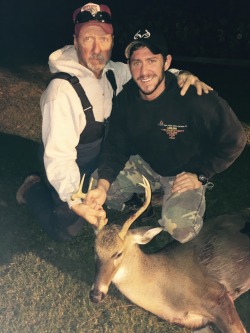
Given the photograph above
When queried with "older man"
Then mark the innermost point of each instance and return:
(75, 107)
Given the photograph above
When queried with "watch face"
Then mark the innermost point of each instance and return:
(202, 179)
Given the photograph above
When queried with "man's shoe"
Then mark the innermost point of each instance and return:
(137, 200)
(26, 185)
(135, 204)
(157, 199)
(148, 214)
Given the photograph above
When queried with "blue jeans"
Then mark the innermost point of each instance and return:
(52, 214)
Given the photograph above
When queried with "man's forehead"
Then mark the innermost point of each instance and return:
(143, 52)
(92, 30)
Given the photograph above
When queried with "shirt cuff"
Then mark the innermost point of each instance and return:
(71, 202)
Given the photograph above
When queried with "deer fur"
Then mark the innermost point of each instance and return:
(191, 285)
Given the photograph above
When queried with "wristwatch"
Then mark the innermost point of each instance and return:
(203, 179)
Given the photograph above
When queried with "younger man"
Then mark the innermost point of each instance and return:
(182, 141)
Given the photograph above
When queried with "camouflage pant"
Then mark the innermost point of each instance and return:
(182, 213)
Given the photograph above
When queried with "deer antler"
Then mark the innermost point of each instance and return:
(80, 195)
(129, 222)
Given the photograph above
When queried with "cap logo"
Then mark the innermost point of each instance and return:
(145, 34)
(92, 8)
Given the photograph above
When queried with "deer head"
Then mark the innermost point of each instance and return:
(111, 246)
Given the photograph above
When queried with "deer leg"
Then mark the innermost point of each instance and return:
(226, 317)
(206, 329)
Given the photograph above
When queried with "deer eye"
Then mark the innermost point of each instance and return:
(117, 255)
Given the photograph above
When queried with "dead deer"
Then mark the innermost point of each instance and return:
(191, 285)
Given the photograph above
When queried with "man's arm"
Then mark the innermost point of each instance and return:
(222, 135)
(225, 141)
(63, 122)
(185, 79)
(115, 154)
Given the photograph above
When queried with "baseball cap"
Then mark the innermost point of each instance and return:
(93, 14)
(151, 38)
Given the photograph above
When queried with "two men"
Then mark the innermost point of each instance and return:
(75, 107)
(182, 141)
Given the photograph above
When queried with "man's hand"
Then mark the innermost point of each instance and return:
(185, 181)
(97, 197)
(185, 79)
(91, 215)
(91, 209)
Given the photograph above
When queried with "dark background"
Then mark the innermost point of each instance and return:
(209, 38)
(30, 30)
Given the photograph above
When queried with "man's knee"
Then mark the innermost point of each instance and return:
(65, 224)
(182, 215)
(182, 228)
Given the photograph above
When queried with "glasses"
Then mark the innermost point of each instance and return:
(86, 16)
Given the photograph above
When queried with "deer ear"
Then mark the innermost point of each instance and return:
(145, 234)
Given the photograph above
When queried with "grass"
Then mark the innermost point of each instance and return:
(44, 285)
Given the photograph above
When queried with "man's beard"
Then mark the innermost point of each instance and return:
(100, 64)
(147, 93)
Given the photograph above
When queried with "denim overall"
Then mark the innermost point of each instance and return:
(90, 143)
(54, 215)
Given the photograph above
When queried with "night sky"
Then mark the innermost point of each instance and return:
(30, 30)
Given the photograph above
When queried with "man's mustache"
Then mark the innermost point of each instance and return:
(96, 57)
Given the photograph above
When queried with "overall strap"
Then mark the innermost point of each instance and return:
(74, 81)
(111, 77)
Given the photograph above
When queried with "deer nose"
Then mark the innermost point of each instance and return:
(96, 296)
